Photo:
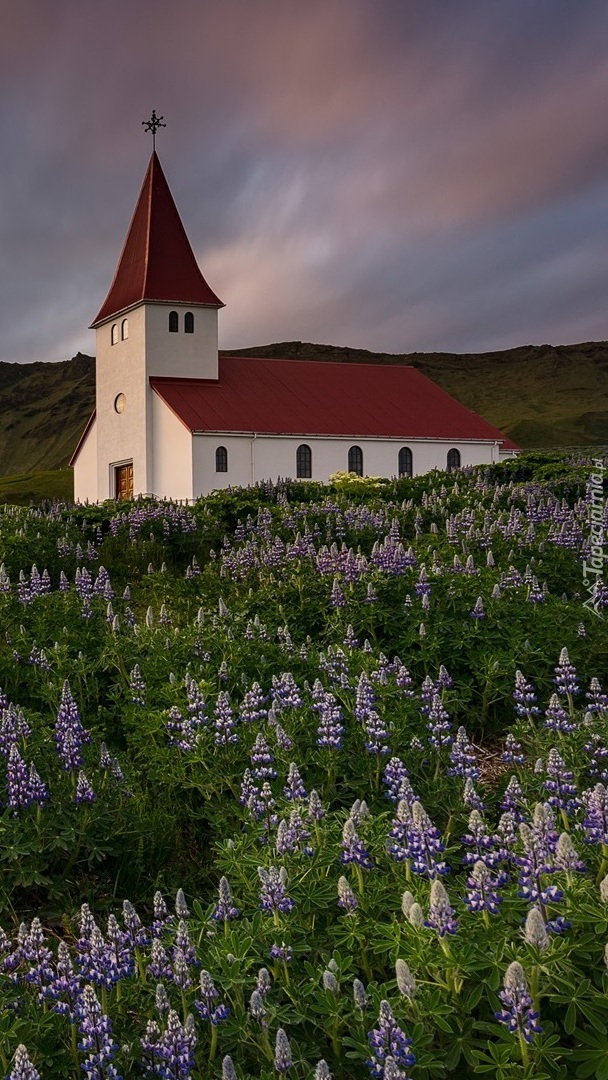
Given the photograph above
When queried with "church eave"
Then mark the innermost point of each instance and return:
(161, 303)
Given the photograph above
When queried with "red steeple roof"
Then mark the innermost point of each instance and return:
(157, 262)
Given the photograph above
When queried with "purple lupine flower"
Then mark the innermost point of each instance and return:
(535, 931)
(205, 1005)
(119, 947)
(161, 915)
(160, 964)
(284, 692)
(512, 753)
(406, 983)
(263, 982)
(96, 1038)
(535, 864)
(273, 896)
(462, 757)
(228, 1069)
(137, 687)
(556, 717)
(566, 856)
(336, 597)
(262, 759)
(13, 726)
(225, 908)
(598, 700)
(595, 824)
(524, 697)
(182, 944)
(294, 790)
(283, 1059)
(441, 915)
(138, 935)
(70, 735)
(513, 799)
(22, 1068)
(252, 706)
(598, 757)
(224, 722)
(388, 1040)
(353, 848)
(424, 844)
(197, 706)
(518, 1013)
(477, 611)
(84, 791)
(399, 833)
(438, 724)
(248, 788)
(330, 731)
(559, 784)
(258, 1009)
(36, 956)
(482, 843)
(482, 888)
(174, 1051)
(364, 699)
(183, 731)
(322, 1071)
(65, 986)
(292, 835)
(346, 896)
(377, 733)
(281, 952)
(180, 970)
(506, 835)
(565, 675)
(18, 784)
(316, 811)
(470, 796)
(394, 774)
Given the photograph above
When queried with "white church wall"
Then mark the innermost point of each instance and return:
(121, 436)
(171, 453)
(240, 462)
(188, 356)
(265, 457)
(85, 468)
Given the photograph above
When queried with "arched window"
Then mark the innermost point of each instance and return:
(114, 333)
(124, 329)
(355, 460)
(405, 461)
(173, 322)
(453, 459)
(304, 462)
(188, 323)
(221, 459)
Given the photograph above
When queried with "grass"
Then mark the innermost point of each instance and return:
(34, 487)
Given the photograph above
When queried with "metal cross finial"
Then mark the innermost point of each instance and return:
(153, 124)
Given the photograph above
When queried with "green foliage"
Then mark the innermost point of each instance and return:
(165, 612)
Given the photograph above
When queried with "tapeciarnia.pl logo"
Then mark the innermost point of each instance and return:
(593, 569)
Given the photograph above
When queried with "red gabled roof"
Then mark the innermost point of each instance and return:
(304, 397)
(82, 439)
(157, 262)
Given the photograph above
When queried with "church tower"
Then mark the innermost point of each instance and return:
(158, 319)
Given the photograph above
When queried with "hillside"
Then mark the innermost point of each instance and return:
(540, 395)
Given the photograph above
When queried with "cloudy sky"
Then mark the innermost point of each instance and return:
(395, 175)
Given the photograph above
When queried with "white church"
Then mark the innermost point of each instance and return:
(174, 419)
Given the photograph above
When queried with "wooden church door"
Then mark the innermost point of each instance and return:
(124, 481)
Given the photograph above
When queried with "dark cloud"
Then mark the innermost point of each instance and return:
(392, 175)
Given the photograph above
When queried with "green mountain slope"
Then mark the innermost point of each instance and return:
(540, 395)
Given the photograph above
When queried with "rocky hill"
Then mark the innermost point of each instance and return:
(540, 395)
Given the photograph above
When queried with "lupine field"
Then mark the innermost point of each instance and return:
(306, 781)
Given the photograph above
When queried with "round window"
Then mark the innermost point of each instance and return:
(119, 403)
